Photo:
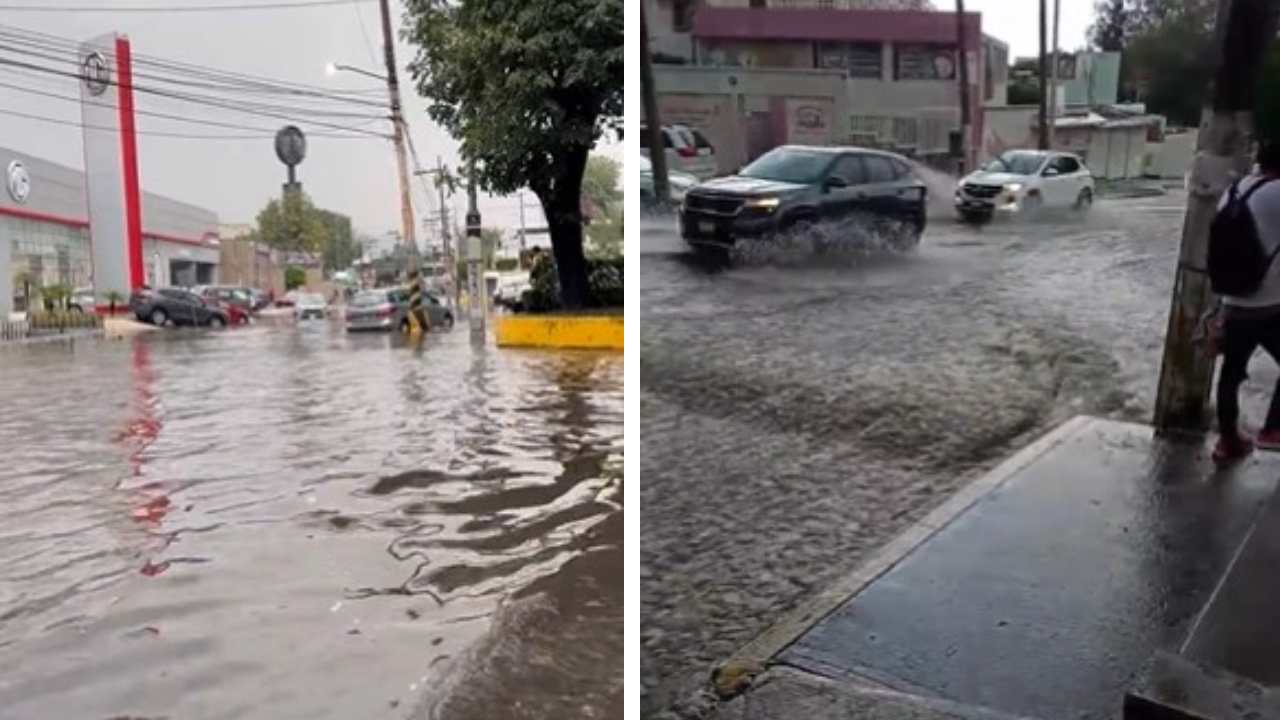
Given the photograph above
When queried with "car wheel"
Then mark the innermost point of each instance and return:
(974, 217)
(216, 322)
(159, 317)
(906, 237)
(1085, 200)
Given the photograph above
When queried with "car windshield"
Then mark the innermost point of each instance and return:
(370, 297)
(1018, 163)
(788, 165)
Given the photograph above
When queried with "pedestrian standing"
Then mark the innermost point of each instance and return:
(1243, 244)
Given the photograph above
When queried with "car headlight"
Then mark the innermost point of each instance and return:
(1012, 187)
(763, 203)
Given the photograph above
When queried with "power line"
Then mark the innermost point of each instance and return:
(167, 116)
(364, 32)
(174, 8)
(192, 99)
(59, 58)
(243, 81)
(160, 133)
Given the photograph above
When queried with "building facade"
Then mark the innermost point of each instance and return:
(899, 67)
(45, 232)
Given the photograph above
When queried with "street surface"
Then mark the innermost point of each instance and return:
(286, 521)
(798, 412)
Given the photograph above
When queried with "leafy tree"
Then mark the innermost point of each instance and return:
(292, 225)
(294, 277)
(1171, 62)
(528, 87)
(600, 182)
(340, 248)
(605, 234)
(1267, 114)
(1111, 26)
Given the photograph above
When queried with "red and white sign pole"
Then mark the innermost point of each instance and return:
(113, 193)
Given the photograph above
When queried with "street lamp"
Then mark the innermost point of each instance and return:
(333, 68)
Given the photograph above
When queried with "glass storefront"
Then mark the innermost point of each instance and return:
(44, 254)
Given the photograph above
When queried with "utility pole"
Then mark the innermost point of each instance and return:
(1243, 30)
(475, 259)
(657, 152)
(1043, 140)
(965, 119)
(397, 121)
(452, 268)
(1053, 75)
(522, 243)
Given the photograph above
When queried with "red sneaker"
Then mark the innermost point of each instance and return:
(1232, 448)
(1269, 440)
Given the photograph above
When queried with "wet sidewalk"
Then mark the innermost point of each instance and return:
(1045, 589)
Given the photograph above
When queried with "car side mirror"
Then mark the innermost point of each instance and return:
(834, 182)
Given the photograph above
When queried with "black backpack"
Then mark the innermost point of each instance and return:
(1237, 260)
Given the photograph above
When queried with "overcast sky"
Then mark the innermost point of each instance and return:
(1017, 22)
(236, 178)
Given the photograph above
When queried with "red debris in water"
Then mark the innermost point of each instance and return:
(152, 569)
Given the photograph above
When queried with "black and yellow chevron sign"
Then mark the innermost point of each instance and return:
(417, 318)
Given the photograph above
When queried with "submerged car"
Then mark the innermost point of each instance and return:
(1025, 180)
(310, 305)
(388, 309)
(175, 306)
(793, 189)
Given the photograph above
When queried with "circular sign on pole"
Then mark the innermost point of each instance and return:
(95, 73)
(291, 145)
(19, 182)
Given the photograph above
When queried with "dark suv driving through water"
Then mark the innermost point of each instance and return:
(794, 188)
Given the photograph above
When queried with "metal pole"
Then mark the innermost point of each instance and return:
(1053, 75)
(398, 136)
(522, 243)
(452, 262)
(657, 149)
(475, 259)
(965, 119)
(1043, 140)
(1244, 28)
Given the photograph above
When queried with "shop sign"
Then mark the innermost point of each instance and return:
(19, 182)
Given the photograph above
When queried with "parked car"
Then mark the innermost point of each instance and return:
(289, 299)
(310, 305)
(176, 306)
(687, 150)
(796, 189)
(510, 292)
(82, 300)
(231, 296)
(1025, 180)
(260, 299)
(388, 309)
(678, 183)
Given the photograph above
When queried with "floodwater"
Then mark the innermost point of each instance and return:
(800, 410)
(290, 522)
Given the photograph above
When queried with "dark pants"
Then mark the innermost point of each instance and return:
(1243, 331)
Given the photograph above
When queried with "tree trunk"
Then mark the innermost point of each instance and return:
(562, 203)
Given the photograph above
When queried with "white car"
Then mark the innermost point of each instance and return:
(310, 305)
(688, 150)
(678, 184)
(1021, 180)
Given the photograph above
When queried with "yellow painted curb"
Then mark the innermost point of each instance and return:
(583, 332)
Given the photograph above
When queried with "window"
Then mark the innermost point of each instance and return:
(901, 169)
(924, 62)
(682, 15)
(861, 60)
(1066, 164)
(700, 141)
(644, 138)
(879, 170)
(850, 169)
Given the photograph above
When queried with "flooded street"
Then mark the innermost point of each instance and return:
(291, 522)
(799, 411)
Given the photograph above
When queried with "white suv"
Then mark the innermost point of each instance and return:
(1025, 180)
(687, 149)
